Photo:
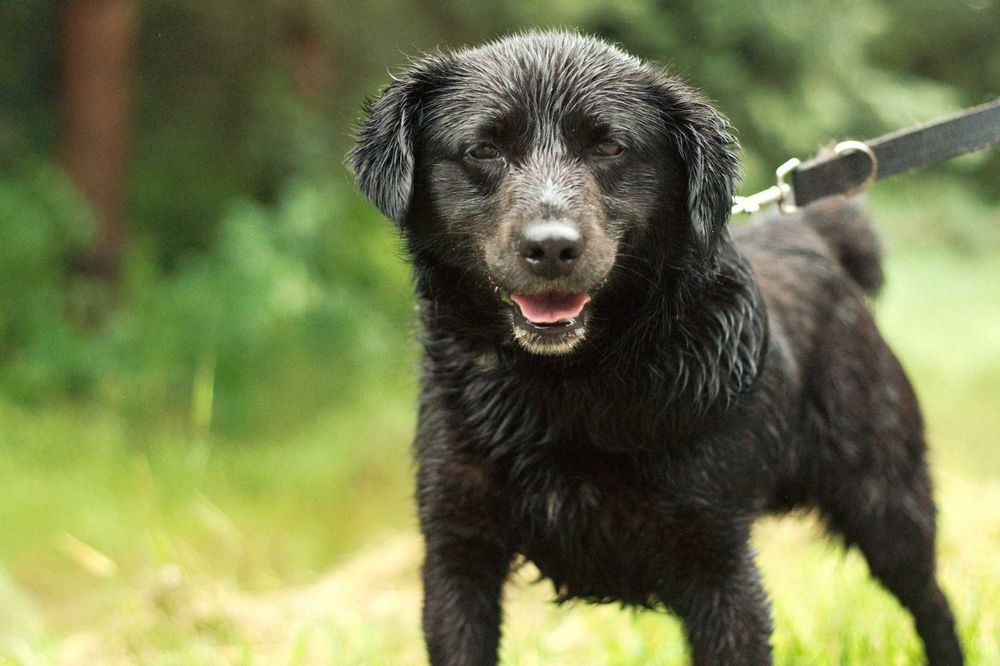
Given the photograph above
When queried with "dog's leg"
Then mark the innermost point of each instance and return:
(463, 583)
(893, 523)
(727, 618)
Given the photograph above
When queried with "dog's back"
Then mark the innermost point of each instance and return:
(816, 270)
(844, 227)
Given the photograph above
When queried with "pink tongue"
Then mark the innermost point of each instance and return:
(550, 308)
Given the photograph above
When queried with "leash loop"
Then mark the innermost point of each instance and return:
(848, 147)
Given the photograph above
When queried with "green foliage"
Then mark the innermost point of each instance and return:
(42, 224)
(295, 305)
(28, 71)
(291, 310)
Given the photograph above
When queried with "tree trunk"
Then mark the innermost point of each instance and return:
(99, 40)
(311, 58)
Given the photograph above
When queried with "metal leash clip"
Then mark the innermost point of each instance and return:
(780, 192)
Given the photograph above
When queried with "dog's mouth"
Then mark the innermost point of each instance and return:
(548, 322)
(552, 309)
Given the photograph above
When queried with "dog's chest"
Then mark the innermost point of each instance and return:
(593, 488)
(599, 528)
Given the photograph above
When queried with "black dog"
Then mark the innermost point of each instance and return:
(614, 386)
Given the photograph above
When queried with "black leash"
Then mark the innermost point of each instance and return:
(854, 165)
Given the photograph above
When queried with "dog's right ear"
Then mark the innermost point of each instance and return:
(705, 141)
(383, 155)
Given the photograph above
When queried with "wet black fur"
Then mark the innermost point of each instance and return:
(723, 375)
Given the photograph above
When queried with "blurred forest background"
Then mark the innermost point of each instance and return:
(206, 336)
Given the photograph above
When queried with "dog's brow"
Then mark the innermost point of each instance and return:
(511, 128)
(491, 127)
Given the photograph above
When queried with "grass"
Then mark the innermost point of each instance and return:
(151, 545)
(366, 610)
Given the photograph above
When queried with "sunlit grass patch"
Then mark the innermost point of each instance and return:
(827, 609)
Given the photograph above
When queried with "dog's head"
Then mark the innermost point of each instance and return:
(541, 163)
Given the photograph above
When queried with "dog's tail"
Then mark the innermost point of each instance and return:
(847, 229)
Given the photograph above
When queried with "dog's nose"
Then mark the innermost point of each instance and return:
(550, 249)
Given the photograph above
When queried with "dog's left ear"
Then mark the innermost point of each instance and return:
(705, 141)
(383, 155)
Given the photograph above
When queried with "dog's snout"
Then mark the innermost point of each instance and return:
(550, 249)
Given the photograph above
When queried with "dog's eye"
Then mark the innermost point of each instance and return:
(608, 148)
(484, 151)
